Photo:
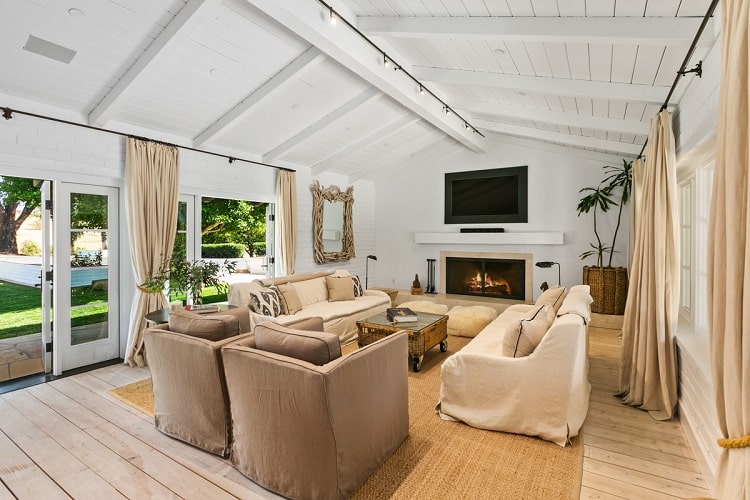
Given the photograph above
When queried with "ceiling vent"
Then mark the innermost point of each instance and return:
(49, 49)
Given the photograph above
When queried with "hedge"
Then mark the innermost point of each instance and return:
(222, 250)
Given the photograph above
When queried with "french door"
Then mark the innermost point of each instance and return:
(85, 275)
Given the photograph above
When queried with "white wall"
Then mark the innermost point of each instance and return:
(363, 219)
(413, 201)
(36, 148)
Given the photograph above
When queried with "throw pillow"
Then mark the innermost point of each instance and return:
(206, 326)
(314, 347)
(340, 288)
(358, 291)
(265, 302)
(522, 339)
(580, 288)
(552, 297)
(577, 303)
(290, 301)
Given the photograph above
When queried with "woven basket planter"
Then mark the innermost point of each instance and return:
(609, 288)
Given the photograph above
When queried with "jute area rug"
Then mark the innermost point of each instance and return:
(442, 459)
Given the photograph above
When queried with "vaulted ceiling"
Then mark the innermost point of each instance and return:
(276, 82)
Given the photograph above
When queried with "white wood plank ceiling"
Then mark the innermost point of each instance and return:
(275, 81)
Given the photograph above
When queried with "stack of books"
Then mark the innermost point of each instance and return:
(400, 314)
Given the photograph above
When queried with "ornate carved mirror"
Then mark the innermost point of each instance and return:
(333, 233)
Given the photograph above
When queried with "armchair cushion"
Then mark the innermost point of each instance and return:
(209, 326)
(315, 347)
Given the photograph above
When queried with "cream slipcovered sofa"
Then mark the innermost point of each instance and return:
(544, 393)
(307, 295)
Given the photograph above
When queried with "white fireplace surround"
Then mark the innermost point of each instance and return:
(526, 257)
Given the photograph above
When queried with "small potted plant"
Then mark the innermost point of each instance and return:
(609, 285)
(192, 276)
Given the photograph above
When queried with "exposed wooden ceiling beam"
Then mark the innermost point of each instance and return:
(309, 20)
(367, 140)
(394, 159)
(308, 60)
(661, 31)
(367, 96)
(554, 117)
(547, 135)
(556, 86)
(176, 32)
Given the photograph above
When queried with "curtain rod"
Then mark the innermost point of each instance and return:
(682, 72)
(8, 114)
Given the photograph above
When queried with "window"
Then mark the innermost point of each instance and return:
(695, 206)
(686, 244)
(703, 186)
(224, 229)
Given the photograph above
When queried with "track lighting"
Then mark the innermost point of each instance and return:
(334, 18)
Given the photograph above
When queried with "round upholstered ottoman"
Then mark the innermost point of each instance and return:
(425, 306)
(467, 321)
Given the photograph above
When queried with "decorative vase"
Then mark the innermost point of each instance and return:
(609, 288)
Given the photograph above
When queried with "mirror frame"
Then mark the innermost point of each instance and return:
(332, 193)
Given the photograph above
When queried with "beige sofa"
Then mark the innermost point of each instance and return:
(339, 316)
(544, 394)
(311, 431)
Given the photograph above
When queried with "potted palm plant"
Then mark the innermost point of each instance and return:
(192, 276)
(609, 285)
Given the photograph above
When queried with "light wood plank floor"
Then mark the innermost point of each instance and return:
(69, 438)
(627, 454)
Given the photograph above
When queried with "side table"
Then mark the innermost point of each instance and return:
(161, 316)
(392, 293)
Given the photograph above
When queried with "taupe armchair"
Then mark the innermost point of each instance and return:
(308, 431)
(190, 394)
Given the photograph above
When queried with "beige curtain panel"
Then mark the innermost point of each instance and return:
(638, 173)
(151, 190)
(728, 259)
(286, 191)
(648, 375)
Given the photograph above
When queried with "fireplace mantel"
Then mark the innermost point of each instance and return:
(520, 238)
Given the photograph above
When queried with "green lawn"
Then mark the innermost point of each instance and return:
(21, 307)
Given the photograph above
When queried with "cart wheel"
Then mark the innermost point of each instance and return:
(444, 346)
(416, 365)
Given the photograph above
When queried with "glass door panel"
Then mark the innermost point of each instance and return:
(86, 313)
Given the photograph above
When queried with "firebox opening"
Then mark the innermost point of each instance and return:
(501, 278)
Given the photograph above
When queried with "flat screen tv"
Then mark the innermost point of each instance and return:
(482, 196)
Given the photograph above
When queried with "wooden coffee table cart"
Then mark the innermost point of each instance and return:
(428, 331)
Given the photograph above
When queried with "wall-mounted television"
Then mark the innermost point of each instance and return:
(482, 196)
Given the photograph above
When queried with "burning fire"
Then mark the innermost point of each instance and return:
(491, 286)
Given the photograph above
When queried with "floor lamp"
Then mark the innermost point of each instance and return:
(548, 264)
(367, 268)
